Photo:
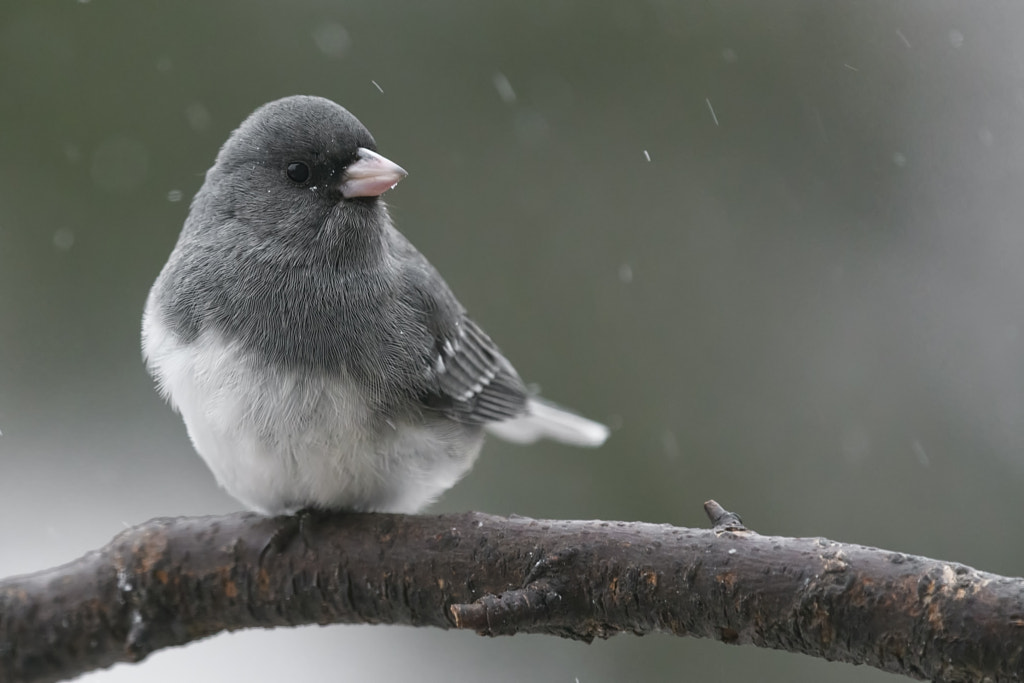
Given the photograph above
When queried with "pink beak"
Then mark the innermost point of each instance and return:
(370, 175)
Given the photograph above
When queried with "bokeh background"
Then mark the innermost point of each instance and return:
(775, 244)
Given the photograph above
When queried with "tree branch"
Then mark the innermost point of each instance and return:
(172, 581)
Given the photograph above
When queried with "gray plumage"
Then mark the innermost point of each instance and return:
(316, 356)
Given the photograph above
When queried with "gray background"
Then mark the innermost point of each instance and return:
(806, 304)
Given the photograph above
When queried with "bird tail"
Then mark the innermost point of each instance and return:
(545, 420)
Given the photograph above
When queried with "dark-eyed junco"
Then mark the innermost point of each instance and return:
(317, 358)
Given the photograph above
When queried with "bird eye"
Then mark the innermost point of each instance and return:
(298, 172)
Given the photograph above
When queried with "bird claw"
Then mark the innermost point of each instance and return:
(289, 528)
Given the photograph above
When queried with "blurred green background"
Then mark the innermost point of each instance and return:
(776, 245)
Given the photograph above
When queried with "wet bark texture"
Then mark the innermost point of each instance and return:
(172, 581)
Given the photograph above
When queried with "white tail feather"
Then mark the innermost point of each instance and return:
(547, 421)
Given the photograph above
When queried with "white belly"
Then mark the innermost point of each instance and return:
(279, 440)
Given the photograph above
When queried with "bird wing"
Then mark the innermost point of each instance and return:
(467, 377)
(480, 385)
(463, 373)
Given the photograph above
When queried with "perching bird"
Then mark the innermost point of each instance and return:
(318, 360)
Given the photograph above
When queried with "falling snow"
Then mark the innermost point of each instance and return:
(922, 456)
(670, 444)
(63, 238)
(504, 88)
(712, 110)
(198, 116)
(332, 40)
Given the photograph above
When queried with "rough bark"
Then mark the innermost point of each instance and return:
(172, 581)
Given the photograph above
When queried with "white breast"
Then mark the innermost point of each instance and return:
(280, 440)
